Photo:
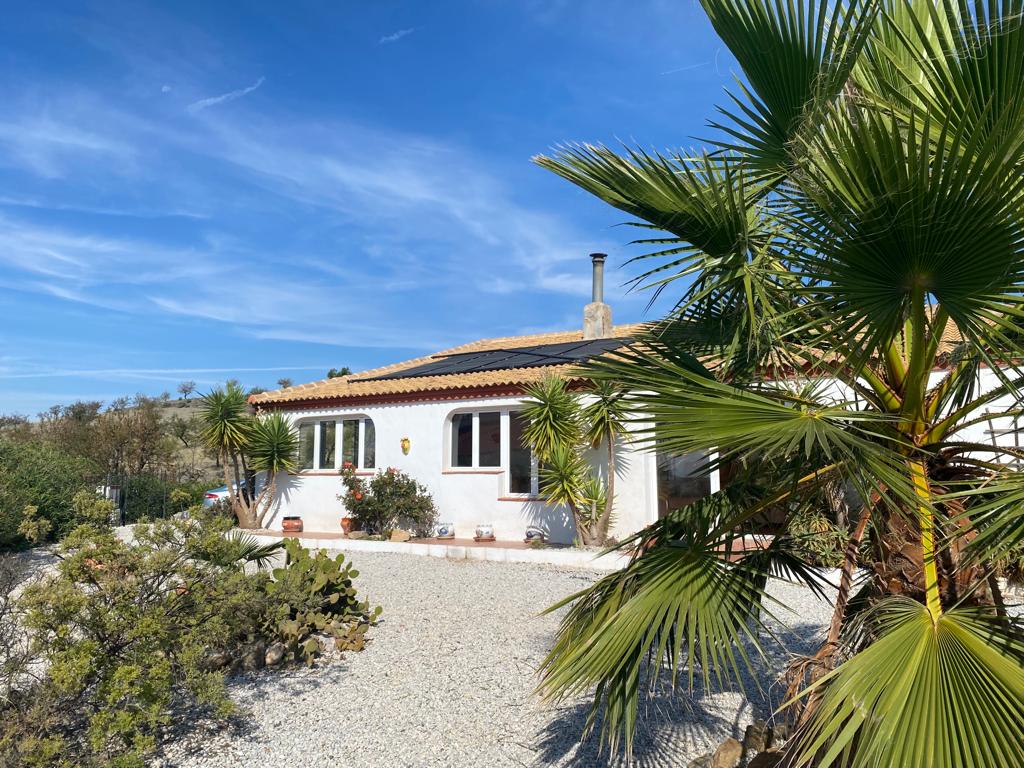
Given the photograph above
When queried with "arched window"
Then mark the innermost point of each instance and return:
(329, 443)
(489, 440)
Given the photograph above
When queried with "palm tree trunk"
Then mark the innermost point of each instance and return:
(606, 516)
(926, 522)
(846, 581)
(243, 511)
(265, 499)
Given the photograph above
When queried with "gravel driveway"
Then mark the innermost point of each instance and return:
(447, 680)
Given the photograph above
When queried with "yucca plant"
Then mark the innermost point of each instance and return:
(247, 444)
(849, 256)
(562, 423)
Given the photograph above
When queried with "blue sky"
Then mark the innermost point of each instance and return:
(213, 190)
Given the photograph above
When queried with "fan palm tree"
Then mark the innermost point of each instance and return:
(850, 253)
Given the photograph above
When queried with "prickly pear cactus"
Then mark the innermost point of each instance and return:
(315, 597)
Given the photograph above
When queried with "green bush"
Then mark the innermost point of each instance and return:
(39, 475)
(135, 637)
(389, 500)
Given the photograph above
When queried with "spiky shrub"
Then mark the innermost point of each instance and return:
(562, 425)
(314, 596)
(248, 444)
(848, 260)
(122, 631)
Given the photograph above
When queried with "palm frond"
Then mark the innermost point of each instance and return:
(680, 607)
(225, 418)
(886, 216)
(552, 414)
(962, 62)
(925, 693)
(273, 445)
(796, 57)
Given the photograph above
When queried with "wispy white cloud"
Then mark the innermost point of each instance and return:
(199, 106)
(394, 37)
(48, 146)
(160, 373)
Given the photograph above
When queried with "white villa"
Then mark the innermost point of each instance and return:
(451, 421)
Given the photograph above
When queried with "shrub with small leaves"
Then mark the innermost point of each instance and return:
(34, 528)
(136, 636)
(123, 629)
(388, 500)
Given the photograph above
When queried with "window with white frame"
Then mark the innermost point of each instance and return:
(329, 443)
(493, 440)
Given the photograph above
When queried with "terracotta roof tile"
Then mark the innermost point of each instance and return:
(365, 384)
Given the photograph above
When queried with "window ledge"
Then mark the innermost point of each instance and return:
(329, 472)
(473, 471)
(521, 497)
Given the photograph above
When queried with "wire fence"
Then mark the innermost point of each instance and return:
(151, 495)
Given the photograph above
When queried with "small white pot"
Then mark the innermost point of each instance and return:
(485, 531)
(446, 531)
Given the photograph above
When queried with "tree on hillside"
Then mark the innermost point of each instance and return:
(336, 373)
(252, 449)
(849, 267)
(186, 388)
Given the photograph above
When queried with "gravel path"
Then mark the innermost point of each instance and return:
(447, 680)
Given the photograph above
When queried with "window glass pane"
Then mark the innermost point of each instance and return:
(462, 440)
(490, 439)
(519, 459)
(306, 445)
(680, 481)
(326, 445)
(350, 441)
(369, 444)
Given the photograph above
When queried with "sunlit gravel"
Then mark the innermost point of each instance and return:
(448, 678)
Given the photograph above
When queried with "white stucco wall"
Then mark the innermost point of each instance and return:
(464, 497)
(468, 497)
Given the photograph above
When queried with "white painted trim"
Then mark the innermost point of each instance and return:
(568, 557)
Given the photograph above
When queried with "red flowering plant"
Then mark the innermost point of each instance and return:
(355, 490)
(389, 500)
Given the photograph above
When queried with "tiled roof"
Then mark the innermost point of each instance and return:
(366, 384)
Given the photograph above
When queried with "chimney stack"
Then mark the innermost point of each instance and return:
(597, 316)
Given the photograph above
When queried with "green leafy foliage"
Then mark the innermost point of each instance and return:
(563, 427)
(134, 637)
(314, 595)
(388, 500)
(923, 694)
(36, 474)
(247, 443)
(850, 268)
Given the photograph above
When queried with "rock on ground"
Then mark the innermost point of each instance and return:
(447, 680)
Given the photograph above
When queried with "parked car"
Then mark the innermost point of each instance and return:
(215, 495)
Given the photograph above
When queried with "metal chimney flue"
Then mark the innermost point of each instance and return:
(597, 316)
(597, 289)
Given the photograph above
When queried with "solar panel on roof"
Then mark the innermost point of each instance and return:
(535, 356)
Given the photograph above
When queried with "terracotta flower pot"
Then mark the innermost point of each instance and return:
(291, 524)
(346, 524)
